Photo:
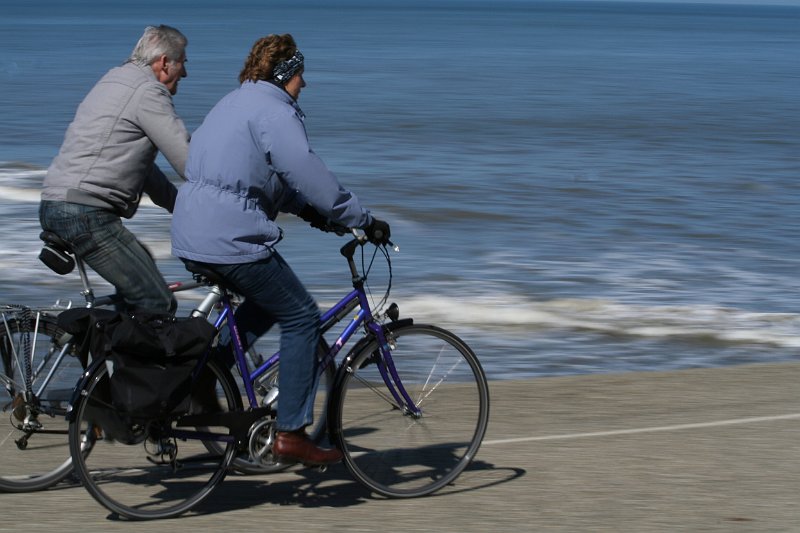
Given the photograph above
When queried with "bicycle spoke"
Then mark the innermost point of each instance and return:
(428, 390)
(379, 391)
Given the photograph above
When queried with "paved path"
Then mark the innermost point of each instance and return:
(699, 450)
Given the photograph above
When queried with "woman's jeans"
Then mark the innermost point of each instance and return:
(273, 294)
(110, 249)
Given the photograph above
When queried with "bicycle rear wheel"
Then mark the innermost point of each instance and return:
(392, 451)
(142, 470)
(34, 451)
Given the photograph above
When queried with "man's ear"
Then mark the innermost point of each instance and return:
(160, 65)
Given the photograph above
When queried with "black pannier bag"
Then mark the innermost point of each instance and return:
(150, 356)
(87, 327)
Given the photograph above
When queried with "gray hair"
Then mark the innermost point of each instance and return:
(157, 41)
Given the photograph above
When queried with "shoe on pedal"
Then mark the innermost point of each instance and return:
(296, 447)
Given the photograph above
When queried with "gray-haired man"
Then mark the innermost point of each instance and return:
(107, 160)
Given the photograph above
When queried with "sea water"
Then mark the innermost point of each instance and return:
(575, 187)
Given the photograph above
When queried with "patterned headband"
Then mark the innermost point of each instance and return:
(284, 70)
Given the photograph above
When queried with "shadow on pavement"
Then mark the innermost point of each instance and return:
(333, 488)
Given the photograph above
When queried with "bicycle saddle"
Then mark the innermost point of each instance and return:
(56, 253)
(202, 272)
(52, 239)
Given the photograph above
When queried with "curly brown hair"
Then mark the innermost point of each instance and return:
(265, 54)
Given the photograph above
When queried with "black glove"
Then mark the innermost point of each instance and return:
(378, 232)
(314, 218)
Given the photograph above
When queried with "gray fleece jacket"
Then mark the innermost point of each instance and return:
(108, 155)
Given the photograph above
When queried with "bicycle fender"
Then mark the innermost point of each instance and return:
(83, 383)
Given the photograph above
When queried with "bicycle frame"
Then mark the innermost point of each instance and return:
(249, 378)
(357, 298)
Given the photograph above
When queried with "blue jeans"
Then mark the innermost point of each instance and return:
(273, 294)
(111, 250)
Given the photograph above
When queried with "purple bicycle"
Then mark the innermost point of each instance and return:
(408, 405)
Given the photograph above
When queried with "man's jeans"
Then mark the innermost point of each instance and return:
(99, 237)
(273, 294)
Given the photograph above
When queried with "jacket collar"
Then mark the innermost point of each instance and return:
(275, 91)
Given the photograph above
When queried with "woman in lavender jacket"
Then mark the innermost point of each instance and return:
(248, 161)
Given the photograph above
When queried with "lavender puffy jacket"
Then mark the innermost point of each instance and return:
(248, 161)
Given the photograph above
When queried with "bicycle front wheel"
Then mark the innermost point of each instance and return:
(36, 389)
(399, 453)
(146, 470)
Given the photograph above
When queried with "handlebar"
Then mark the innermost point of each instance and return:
(362, 238)
(333, 227)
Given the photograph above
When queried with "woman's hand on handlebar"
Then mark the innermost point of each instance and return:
(378, 232)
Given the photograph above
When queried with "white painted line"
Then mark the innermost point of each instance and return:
(676, 427)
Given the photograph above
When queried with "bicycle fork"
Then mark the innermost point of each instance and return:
(388, 371)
